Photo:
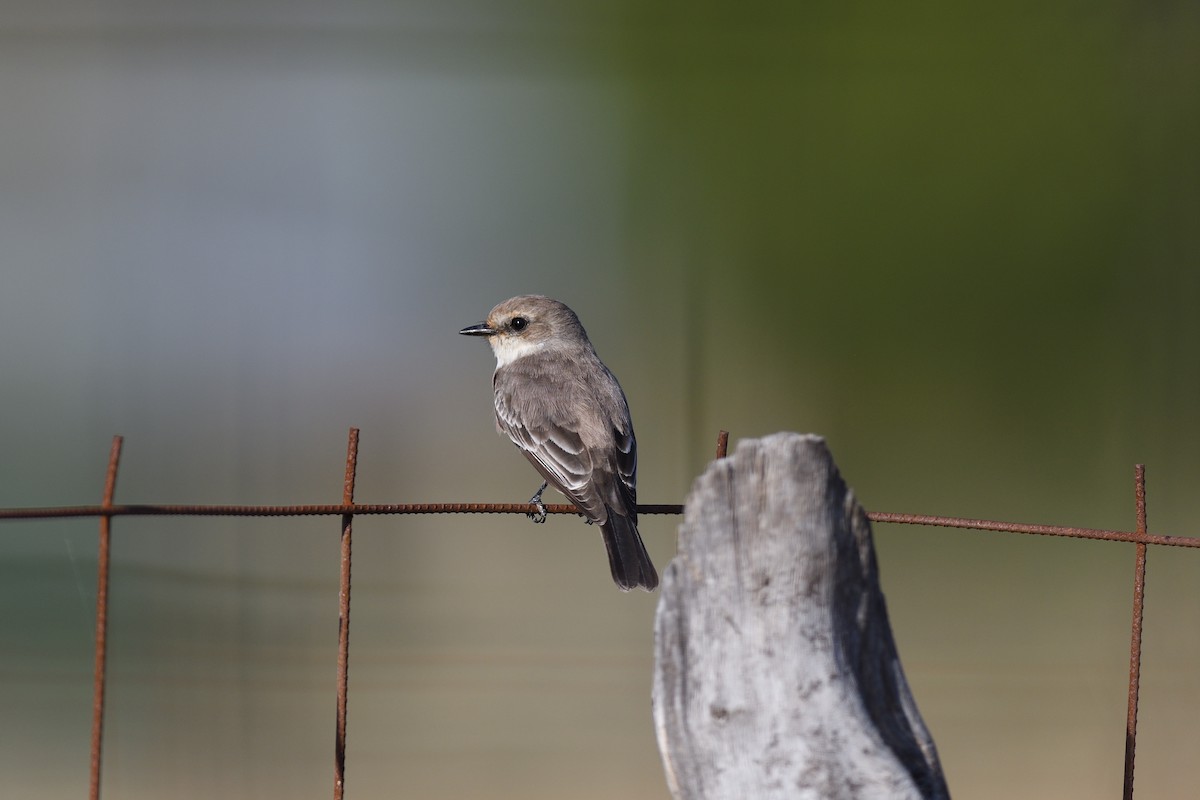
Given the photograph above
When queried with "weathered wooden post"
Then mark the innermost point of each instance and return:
(776, 675)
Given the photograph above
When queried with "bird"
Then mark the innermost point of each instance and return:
(566, 412)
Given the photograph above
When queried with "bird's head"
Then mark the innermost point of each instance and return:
(527, 324)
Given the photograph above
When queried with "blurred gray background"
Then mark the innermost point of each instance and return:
(961, 242)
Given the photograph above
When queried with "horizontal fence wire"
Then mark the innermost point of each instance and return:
(326, 510)
(368, 509)
(348, 509)
(1040, 530)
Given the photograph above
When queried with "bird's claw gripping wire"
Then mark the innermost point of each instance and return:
(536, 500)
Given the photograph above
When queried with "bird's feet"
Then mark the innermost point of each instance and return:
(536, 500)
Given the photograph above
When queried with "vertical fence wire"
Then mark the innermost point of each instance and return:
(99, 675)
(1135, 645)
(343, 660)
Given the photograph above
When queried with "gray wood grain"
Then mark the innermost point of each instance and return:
(776, 673)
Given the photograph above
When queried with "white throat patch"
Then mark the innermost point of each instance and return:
(508, 348)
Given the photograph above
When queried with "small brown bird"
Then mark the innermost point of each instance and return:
(562, 407)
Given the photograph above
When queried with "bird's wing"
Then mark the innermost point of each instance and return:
(627, 474)
(553, 443)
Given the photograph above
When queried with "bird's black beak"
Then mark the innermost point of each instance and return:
(478, 329)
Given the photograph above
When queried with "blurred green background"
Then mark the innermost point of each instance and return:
(961, 242)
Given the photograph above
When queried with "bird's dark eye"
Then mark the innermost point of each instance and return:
(519, 323)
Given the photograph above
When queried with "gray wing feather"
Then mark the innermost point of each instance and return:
(552, 444)
(627, 471)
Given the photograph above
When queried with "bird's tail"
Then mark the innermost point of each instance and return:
(627, 556)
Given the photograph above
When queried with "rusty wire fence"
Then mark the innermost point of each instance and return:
(348, 509)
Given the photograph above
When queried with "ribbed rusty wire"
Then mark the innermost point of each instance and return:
(375, 509)
(99, 675)
(343, 660)
(1135, 644)
(357, 509)
(1042, 530)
